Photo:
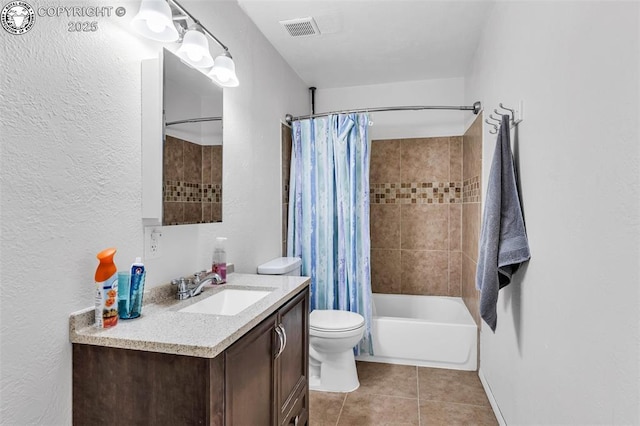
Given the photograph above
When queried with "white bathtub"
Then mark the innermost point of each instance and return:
(427, 331)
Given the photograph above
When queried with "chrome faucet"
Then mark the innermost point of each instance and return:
(188, 287)
(200, 281)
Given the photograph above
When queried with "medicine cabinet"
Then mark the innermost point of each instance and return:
(181, 143)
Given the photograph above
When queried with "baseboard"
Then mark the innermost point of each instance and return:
(492, 400)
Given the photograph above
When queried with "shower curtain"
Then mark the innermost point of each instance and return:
(329, 213)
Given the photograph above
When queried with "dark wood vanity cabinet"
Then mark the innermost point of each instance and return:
(250, 377)
(292, 366)
(258, 380)
(266, 371)
(113, 386)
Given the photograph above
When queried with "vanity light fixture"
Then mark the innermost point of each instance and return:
(194, 50)
(224, 71)
(156, 21)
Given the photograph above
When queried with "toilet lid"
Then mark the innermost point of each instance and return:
(334, 320)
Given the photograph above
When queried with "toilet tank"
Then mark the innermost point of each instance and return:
(281, 266)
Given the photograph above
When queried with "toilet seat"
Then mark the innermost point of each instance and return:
(334, 321)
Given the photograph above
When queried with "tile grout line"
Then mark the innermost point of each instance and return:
(460, 403)
(418, 392)
(400, 150)
(341, 408)
(449, 226)
(388, 395)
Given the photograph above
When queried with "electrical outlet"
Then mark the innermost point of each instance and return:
(152, 238)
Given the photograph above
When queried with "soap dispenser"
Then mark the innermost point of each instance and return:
(219, 261)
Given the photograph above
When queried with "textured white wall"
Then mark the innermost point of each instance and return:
(405, 124)
(70, 183)
(566, 347)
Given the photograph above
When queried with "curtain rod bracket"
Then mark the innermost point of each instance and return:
(313, 100)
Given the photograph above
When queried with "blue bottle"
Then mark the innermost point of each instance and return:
(136, 289)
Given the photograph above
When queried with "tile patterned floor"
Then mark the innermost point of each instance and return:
(405, 395)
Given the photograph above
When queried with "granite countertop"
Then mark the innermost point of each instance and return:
(161, 328)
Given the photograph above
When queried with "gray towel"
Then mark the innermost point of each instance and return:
(503, 239)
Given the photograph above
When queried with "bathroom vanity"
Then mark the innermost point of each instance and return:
(178, 367)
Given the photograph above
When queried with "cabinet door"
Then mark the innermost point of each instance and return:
(131, 387)
(293, 363)
(249, 377)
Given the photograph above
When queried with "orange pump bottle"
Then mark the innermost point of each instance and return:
(106, 278)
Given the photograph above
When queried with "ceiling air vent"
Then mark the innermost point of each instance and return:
(301, 27)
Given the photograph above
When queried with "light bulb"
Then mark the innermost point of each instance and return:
(156, 25)
(223, 75)
(195, 50)
(194, 55)
(154, 21)
(224, 71)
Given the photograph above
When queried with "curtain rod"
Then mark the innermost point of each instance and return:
(476, 107)
(193, 120)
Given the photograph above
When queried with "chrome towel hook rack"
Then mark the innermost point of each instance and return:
(515, 117)
(495, 123)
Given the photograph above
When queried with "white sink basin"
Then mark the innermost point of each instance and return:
(229, 301)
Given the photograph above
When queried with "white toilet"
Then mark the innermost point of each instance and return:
(332, 336)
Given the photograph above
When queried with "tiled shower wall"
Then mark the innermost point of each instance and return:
(285, 134)
(471, 172)
(425, 213)
(416, 216)
(192, 182)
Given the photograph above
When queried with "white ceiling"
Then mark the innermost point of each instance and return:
(366, 42)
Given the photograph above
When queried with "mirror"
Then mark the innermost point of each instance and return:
(192, 149)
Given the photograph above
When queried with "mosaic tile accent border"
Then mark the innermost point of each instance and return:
(471, 190)
(192, 192)
(416, 193)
